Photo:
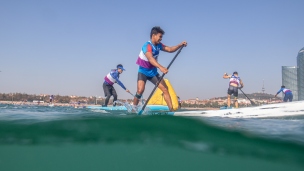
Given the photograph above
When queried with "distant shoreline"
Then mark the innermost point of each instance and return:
(36, 104)
(81, 105)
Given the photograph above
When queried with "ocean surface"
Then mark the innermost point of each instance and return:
(71, 139)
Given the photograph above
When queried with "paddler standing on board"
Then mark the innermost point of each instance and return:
(147, 61)
(234, 83)
(51, 99)
(109, 80)
(287, 94)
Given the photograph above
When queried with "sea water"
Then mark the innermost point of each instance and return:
(66, 138)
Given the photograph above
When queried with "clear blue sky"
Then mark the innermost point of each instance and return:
(66, 47)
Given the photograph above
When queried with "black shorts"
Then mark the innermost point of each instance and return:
(109, 90)
(143, 77)
(233, 90)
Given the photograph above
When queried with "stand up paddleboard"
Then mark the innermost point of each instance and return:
(152, 109)
(156, 105)
(264, 111)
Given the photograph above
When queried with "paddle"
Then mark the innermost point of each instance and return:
(252, 103)
(131, 94)
(142, 109)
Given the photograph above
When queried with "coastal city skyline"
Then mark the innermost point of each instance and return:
(78, 101)
(67, 49)
(293, 77)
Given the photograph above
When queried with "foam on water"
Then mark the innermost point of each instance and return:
(134, 109)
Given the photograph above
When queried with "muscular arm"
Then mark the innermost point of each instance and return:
(174, 48)
(152, 60)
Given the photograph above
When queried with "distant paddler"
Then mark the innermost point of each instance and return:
(147, 61)
(51, 99)
(288, 96)
(234, 83)
(110, 79)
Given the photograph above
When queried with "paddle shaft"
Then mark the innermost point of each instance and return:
(131, 94)
(161, 78)
(248, 97)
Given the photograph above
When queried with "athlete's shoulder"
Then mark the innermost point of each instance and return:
(147, 47)
(114, 71)
(147, 43)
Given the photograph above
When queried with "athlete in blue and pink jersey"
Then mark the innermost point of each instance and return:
(145, 66)
(288, 94)
(109, 80)
(234, 83)
(147, 61)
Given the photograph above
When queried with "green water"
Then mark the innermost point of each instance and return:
(83, 140)
(125, 156)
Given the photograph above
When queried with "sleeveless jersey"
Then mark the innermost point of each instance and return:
(145, 66)
(235, 80)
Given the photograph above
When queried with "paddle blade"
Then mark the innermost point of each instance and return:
(140, 112)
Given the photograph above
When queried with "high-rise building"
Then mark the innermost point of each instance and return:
(300, 63)
(289, 79)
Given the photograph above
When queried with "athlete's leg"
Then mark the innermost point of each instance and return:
(164, 88)
(228, 100)
(291, 97)
(107, 90)
(114, 95)
(236, 94)
(140, 90)
(107, 100)
(229, 92)
(285, 98)
(141, 83)
(236, 103)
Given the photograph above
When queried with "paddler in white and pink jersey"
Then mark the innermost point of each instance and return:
(109, 80)
(234, 83)
(288, 96)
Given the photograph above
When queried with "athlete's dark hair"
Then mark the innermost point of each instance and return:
(282, 86)
(156, 30)
(119, 65)
(235, 72)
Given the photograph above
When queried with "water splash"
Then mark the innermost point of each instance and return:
(133, 108)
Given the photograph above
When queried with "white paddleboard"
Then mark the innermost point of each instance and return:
(264, 111)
